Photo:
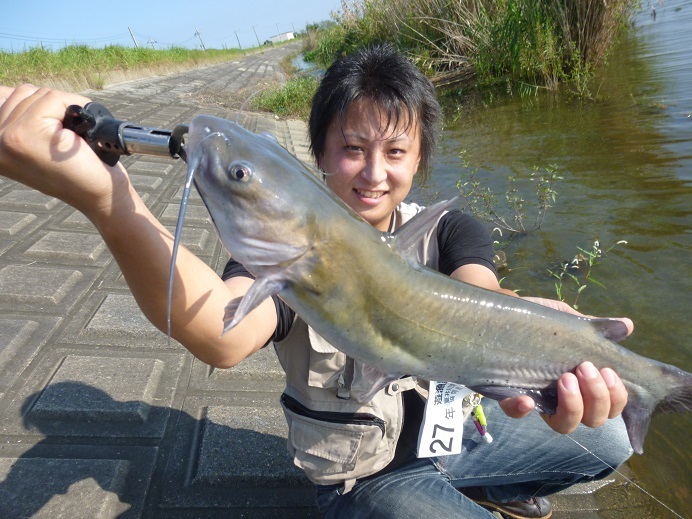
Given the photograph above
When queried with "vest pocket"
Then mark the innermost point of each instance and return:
(328, 443)
(326, 362)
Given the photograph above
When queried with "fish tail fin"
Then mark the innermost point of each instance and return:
(679, 399)
(643, 405)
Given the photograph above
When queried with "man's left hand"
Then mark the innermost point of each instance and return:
(588, 395)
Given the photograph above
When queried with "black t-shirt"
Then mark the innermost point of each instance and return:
(461, 240)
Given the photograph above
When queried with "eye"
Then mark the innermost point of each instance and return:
(240, 171)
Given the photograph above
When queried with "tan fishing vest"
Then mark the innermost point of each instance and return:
(333, 436)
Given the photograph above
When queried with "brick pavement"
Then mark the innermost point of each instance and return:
(99, 418)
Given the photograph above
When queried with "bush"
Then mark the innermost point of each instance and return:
(539, 42)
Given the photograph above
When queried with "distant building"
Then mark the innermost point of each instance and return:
(285, 36)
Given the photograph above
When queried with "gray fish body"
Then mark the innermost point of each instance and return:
(362, 291)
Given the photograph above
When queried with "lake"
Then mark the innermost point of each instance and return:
(626, 162)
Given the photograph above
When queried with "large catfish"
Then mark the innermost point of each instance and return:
(364, 292)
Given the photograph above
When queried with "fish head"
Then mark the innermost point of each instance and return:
(251, 186)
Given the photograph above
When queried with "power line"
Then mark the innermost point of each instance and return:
(121, 38)
(27, 37)
(164, 43)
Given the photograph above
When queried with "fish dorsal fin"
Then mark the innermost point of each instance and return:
(370, 377)
(612, 329)
(376, 379)
(406, 238)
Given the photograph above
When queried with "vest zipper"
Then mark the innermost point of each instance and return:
(331, 416)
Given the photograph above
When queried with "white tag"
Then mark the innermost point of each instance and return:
(443, 421)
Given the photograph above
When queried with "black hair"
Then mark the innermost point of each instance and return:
(385, 77)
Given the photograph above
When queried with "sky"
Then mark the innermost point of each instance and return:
(53, 24)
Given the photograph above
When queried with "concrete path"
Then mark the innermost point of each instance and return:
(99, 418)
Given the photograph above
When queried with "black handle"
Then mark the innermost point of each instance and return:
(98, 127)
(111, 138)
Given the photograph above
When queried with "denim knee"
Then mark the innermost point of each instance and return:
(609, 445)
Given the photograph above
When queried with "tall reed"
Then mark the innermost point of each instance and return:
(537, 42)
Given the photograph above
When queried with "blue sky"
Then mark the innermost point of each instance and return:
(29, 23)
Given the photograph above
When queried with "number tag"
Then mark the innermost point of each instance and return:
(443, 421)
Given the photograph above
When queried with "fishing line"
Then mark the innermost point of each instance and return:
(626, 478)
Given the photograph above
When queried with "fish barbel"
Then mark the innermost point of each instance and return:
(364, 292)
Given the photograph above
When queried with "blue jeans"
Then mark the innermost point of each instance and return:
(525, 459)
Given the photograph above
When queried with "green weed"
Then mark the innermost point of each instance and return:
(580, 272)
(511, 211)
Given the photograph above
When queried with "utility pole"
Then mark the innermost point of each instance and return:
(133, 38)
(236, 37)
(151, 42)
(199, 35)
(258, 43)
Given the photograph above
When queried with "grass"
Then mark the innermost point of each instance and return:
(83, 65)
(290, 100)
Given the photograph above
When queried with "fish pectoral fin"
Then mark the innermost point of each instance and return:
(612, 329)
(239, 307)
(546, 399)
(407, 237)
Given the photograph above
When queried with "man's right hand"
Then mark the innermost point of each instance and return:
(37, 151)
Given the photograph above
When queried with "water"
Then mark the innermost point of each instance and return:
(306, 67)
(626, 160)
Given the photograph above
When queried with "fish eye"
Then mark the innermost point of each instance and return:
(240, 171)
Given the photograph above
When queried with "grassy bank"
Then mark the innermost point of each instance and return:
(521, 45)
(292, 100)
(534, 43)
(78, 67)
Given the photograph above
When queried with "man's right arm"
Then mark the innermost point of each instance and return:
(36, 151)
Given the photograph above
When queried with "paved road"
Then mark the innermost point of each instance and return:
(99, 417)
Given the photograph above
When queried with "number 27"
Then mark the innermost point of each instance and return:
(447, 447)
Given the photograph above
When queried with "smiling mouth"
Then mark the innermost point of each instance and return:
(370, 194)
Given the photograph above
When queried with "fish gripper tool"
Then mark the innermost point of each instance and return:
(111, 138)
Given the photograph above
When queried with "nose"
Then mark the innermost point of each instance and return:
(375, 169)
